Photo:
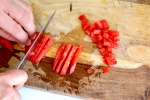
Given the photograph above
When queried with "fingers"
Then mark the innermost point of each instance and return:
(15, 78)
(6, 35)
(10, 26)
(9, 93)
(22, 13)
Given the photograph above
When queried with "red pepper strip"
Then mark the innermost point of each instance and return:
(106, 69)
(63, 57)
(105, 25)
(98, 25)
(83, 18)
(39, 47)
(6, 44)
(44, 51)
(46, 42)
(75, 59)
(65, 67)
(58, 55)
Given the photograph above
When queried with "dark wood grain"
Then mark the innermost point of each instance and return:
(119, 84)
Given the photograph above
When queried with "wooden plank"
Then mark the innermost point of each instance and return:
(119, 84)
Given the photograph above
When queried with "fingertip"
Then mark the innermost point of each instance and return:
(23, 74)
(15, 77)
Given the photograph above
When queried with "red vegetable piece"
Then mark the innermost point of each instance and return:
(6, 44)
(63, 57)
(98, 25)
(39, 47)
(44, 51)
(83, 18)
(105, 25)
(106, 70)
(58, 56)
(113, 33)
(65, 67)
(85, 25)
(75, 59)
(106, 43)
(95, 32)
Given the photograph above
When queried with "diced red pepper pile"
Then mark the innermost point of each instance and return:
(40, 49)
(66, 59)
(104, 38)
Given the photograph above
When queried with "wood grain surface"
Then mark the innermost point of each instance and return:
(119, 84)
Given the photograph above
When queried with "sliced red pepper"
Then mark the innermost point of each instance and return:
(83, 18)
(40, 48)
(113, 33)
(75, 59)
(95, 32)
(105, 25)
(44, 51)
(6, 44)
(63, 57)
(65, 67)
(58, 56)
(106, 69)
(98, 25)
(104, 39)
(102, 24)
(86, 25)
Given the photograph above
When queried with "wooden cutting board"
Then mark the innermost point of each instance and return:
(131, 19)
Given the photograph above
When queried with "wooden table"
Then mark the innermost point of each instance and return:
(119, 84)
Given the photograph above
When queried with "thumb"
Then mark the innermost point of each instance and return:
(15, 78)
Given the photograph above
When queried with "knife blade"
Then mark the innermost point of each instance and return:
(24, 59)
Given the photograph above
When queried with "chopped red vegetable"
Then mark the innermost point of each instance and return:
(58, 56)
(40, 49)
(75, 59)
(63, 57)
(6, 44)
(65, 67)
(105, 39)
(66, 59)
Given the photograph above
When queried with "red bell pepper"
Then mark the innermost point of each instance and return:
(65, 67)
(63, 57)
(75, 59)
(58, 56)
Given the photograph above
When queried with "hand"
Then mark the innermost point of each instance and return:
(16, 20)
(10, 82)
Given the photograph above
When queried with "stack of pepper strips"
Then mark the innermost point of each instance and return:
(66, 59)
(104, 38)
(40, 49)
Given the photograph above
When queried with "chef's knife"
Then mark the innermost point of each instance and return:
(24, 59)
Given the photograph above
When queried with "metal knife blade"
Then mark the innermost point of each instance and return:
(24, 59)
